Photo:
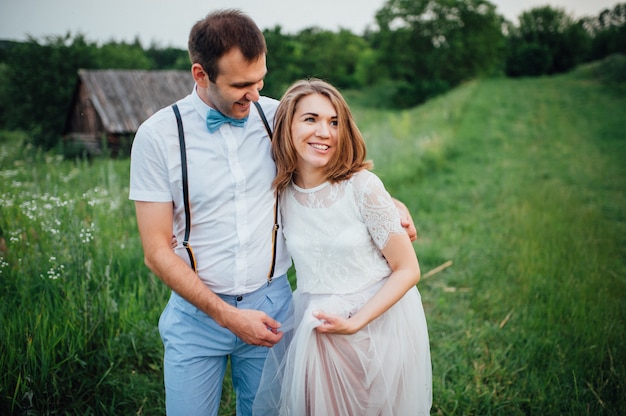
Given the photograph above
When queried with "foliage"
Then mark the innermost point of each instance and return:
(546, 42)
(608, 31)
(40, 96)
(419, 50)
(121, 55)
(335, 57)
(167, 58)
(284, 54)
(38, 80)
(430, 46)
(332, 56)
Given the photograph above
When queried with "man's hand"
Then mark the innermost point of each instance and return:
(253, 327)
(406, 220)
(154, 220)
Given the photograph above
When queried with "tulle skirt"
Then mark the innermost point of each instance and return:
(384, 369)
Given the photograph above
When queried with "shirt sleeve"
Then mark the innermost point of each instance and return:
(377, 208)
(149, 179)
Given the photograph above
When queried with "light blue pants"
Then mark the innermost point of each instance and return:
(197, 350)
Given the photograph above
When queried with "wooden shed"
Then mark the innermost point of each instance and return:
(109, 105)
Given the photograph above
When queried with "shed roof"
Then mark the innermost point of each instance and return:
(123, 99)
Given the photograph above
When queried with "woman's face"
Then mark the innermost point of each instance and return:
(314, 132)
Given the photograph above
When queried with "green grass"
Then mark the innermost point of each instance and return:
(79, 309)
(520, 183)
(529, 203)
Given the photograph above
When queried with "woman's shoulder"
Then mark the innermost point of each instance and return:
(366, 179)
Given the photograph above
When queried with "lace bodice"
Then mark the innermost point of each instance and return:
(335, 232)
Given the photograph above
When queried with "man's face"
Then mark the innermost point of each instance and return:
(237, 84)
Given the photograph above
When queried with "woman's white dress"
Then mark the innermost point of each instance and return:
(334, 233)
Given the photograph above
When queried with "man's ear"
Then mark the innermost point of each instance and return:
(201, 77)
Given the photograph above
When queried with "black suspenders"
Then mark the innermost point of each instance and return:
(183, 158)
(270, 275)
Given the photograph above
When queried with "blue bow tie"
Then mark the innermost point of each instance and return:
(214, 119)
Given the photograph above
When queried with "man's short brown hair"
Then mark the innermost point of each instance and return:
(219, 32)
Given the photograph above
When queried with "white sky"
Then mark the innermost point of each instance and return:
(167, 22)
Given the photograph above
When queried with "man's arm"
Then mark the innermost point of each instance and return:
(154, 220)
(405, 219)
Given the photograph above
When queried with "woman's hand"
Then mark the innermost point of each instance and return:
(335, 324)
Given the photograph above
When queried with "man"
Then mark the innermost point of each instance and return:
(231, 308)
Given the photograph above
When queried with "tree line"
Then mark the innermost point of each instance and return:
(420, 49)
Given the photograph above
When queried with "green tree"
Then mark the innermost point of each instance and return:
(38, 83)
(38, 80)
(429, 46)
(283, 61)
(548, 41)
(313, 52)
(527, 58)
(331, 56)
(608, 32)
(121, 55)
(168, 58)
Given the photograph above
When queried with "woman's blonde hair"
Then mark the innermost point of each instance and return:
(349, 157)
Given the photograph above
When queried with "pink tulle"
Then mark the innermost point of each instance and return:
(384, 369)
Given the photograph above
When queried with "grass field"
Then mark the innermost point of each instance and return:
(517, 186)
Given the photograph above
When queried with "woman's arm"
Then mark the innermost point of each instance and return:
(401, 257)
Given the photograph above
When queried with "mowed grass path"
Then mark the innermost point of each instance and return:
(525, 191)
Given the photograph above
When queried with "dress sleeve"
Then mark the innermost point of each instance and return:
(377, 208)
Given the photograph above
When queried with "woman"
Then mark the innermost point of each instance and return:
(360, 343)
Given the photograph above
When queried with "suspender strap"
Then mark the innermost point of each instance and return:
(183, 164)
(270, 275)
(265, 123)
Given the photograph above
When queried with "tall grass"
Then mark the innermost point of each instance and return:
(520, 183)
(78, 316)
